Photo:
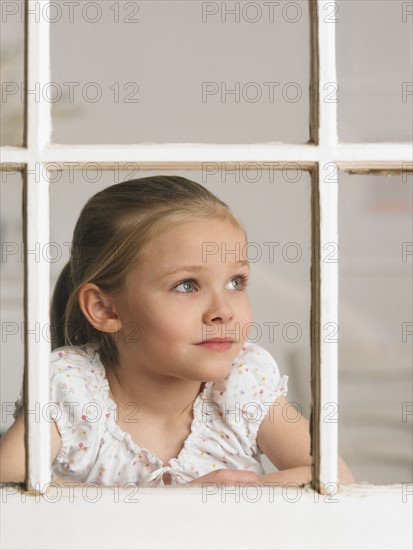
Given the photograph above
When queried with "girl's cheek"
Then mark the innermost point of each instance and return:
(248, 313)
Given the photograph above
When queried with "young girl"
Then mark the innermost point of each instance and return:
(152, 376)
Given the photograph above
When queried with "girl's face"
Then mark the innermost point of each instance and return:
(188, 287)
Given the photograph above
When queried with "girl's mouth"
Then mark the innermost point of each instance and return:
(217, 344)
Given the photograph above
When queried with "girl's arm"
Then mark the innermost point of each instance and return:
(13, 453)
(284, 437)
(13, 450)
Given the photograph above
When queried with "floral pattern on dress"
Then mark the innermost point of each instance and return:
(227, 416)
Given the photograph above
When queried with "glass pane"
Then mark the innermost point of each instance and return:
(279, 252)
(12, 284)
(178, 71)
(374, 70)
(12, 73)
(375, 318)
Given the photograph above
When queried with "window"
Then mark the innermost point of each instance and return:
(53, 142)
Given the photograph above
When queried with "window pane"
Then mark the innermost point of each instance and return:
(374, 69)
(12, 73)
(12, 283)
(279, 252)
(178, 71)
(375, 314)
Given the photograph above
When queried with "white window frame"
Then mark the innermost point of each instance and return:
(324, 157)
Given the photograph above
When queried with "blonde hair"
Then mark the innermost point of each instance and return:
(113, 227)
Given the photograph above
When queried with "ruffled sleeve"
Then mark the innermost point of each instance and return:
(77, 409)
(18, 404)
(246, 394)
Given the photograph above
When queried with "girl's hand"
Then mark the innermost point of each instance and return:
(228, 477)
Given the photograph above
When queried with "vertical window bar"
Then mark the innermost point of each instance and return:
(36, 236)
(324, 263)
(38, 118)
(314, 73)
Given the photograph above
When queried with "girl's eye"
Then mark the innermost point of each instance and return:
(242, 282)
(186, 285)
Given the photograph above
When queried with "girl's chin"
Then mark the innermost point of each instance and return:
(216, 372)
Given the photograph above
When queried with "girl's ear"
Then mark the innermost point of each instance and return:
(98, 309)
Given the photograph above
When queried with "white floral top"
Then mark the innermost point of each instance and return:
(226, 417)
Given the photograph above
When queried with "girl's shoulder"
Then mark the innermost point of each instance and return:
(82, 354)
(78, 361)
(79, 406)
(254, 375)
(77, 373)
(245, 395)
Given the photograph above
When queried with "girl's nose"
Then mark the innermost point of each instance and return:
(219, 311)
